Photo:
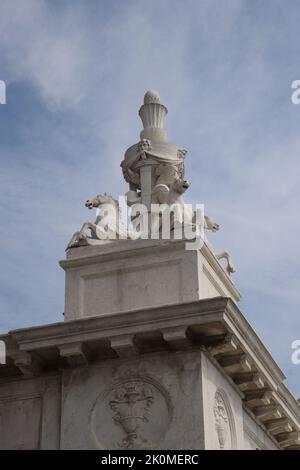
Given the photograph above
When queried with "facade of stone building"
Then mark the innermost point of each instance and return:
(153, 352)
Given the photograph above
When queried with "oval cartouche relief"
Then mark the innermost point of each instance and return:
(133, 414)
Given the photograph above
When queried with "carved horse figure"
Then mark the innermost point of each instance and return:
(229, 266)
(107, 224)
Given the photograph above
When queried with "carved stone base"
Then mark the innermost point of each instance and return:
(115, 276)
(185, 376)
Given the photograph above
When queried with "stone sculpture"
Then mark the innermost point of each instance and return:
(107, 224)
(229, 267)
(155, 172)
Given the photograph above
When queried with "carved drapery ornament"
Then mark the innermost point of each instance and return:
(222, 425)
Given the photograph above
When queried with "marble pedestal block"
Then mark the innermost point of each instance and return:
(126, 275)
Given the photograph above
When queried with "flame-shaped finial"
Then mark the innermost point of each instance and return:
(152, 114)
(151, 96)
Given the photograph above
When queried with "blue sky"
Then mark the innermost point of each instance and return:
(76, 72)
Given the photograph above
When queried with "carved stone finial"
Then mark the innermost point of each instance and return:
(151, 96)
(152, 114)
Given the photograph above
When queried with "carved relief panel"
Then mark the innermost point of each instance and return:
(133, 414)
(224, 423)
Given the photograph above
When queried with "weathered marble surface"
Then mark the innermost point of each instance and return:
(120, 276)
(185, 376)
(50, 412)
(30, 413)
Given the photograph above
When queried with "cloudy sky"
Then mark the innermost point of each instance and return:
(76, 72)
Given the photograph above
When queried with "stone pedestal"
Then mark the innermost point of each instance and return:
(126, 275)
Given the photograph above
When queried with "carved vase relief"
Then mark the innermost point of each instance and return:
(133, 414)
(131, 404)
(224, 425)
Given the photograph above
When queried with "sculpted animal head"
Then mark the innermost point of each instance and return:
(101, 199)
(180, 186)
